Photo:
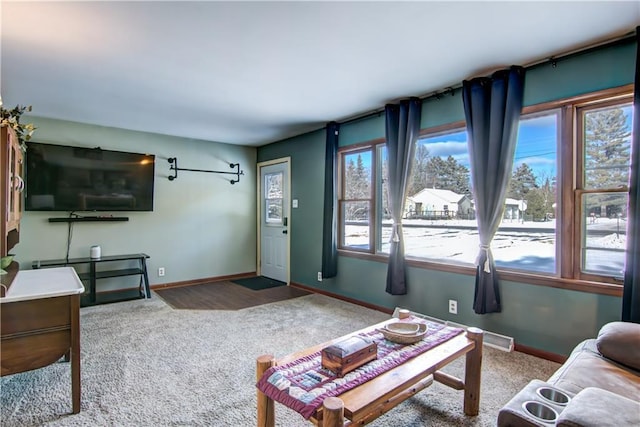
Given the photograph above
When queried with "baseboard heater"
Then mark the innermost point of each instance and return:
(491, 339)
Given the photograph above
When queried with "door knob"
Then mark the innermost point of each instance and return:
(284, 231)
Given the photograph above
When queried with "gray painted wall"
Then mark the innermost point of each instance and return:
(545, 318)
(201, 226)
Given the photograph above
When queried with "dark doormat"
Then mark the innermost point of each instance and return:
(258, 283)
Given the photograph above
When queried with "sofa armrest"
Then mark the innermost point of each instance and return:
(620, 342)
(595, 407)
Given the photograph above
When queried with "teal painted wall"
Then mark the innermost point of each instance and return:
(307, 186)
(546, 318)
(201, 226)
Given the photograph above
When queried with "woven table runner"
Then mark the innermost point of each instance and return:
(303, 384)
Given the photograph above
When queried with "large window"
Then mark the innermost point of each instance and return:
(565, 210)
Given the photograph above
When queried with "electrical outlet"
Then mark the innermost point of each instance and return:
(161, 271)
(453, 306)
(319, 276)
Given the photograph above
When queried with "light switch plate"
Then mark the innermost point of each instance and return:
(294, 203)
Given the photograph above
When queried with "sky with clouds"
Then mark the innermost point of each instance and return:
(536, 145)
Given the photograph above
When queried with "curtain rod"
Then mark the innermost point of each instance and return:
(450, 90)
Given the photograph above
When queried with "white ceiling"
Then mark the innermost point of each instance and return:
(251, 73)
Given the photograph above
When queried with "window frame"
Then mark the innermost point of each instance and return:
(372, 200)
(568, 273)
(580, 109)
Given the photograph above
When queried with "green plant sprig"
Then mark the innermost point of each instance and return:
(11, 118)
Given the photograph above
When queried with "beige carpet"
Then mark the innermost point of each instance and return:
(146, 364)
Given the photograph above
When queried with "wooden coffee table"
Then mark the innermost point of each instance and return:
(368, 401)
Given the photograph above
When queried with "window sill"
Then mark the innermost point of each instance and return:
(513, 276)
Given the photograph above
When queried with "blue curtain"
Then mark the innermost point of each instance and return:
(631, 292)
(492, 108)
(402, 127)
(330, 214)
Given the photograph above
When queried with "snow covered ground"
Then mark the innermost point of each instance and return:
(529, 246)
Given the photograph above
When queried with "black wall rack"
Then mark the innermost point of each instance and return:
(174, 167)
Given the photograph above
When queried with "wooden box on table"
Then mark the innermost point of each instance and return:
(349, 354)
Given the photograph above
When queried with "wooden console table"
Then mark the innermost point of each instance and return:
(93, 275)
(366, 402)
(41, 323)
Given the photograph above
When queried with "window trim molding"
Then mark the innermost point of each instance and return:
(511, 276)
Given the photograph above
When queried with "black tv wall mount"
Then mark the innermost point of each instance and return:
(106, 218)
(174, 167)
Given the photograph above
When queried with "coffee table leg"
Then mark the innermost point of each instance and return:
(266, 412)
(332, 412)
(472, 373)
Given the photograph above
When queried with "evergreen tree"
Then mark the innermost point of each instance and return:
(350, 177)
(448, 175)
(357, 179)
(363, 179)
(523, 180)
(607, 148)
(536, 204)
(357, 186)
(458, 177)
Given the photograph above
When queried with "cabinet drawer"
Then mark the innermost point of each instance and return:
(33, 315)
(29, 352)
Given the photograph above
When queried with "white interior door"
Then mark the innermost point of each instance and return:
(274, 218)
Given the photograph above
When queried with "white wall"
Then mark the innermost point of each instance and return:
(201, 226)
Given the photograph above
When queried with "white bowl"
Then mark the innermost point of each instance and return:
(404, 328)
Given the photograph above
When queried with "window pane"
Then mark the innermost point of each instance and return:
(526, 239)
(384, 160)
(439, 220)
(607, 147)
(604, 224)
(273, 185)
(273, 197)
(383, 213)
(274, 211)
(357, 175)
(440, 217)
(356, 217)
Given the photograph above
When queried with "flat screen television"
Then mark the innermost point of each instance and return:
(64, 178)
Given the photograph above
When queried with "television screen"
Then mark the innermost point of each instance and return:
(63, 178)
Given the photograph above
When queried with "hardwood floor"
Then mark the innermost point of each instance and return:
(224, 296)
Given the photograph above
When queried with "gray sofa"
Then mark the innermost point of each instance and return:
(598, 385)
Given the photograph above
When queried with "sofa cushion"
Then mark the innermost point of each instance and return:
(620, 341)
(594, 407)
(586, 367)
